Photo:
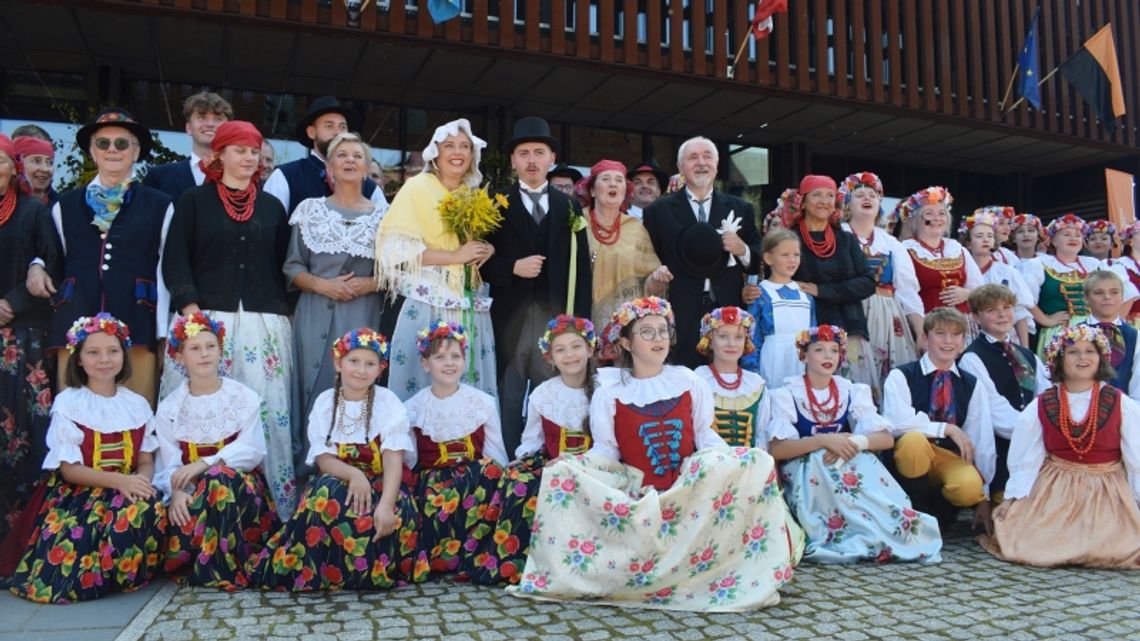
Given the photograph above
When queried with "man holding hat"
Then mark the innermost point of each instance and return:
(648, 180)
(111, 233)
(708, 240)
(308, 177)
(529, 273)
(563, 177)
(204, 112)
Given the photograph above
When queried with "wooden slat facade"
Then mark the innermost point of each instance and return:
(949, 58)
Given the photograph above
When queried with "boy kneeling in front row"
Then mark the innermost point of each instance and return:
(940, 418)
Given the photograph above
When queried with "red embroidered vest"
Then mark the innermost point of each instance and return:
(656, 438)
(557, 439)
(448, 453)
(363, 456)
(935, 275)
(1106, 446)
(114, 452)
(191, 452)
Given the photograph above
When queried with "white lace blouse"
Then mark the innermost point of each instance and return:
(567, 407)
(454, 417)
(77, 406)
(389, 422)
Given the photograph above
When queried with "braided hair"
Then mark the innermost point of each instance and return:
(338, 398)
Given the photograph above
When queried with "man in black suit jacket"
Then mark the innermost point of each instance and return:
(667, 219)
(529, 273)
(204, 112)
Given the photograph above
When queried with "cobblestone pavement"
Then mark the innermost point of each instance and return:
(969, 595)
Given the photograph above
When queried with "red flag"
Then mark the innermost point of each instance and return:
(762, 19)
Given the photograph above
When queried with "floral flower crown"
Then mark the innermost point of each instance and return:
(441, 329)
(187, 327)
(787, 208)
(854, 181)
(929, 196)
(1068, 221)
(1032, 221)
(363, 338)
(628, 312)
(1073, 333)
(101, 323)
(980, 217)
(1100, 227)
(1128, 232)
(720, 317)
(566, 324)
(822, 334)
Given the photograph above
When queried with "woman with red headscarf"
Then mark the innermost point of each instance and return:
(25, 375)
(224, 255)
(622, 259)
(834, 270)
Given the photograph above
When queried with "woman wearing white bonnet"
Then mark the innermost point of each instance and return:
(420, 263)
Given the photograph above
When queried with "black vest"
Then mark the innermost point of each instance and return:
(962, 387)
(1000, 370)
(306, 178)
(116, 272)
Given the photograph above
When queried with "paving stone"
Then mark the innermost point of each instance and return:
(851, 603)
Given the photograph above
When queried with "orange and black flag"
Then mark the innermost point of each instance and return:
(1095, 72)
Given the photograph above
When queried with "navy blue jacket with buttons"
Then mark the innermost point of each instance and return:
(217, 262)
(114, 272)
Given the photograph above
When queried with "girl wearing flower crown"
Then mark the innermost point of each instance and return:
(1074, 466)
(1057, 280)
(978, 232)
(660, 513)
(355, 525)
(739, 397)
(557, 425)
(1026, 237)
(894, 311)
(782, 307)
(1100, 239)
(1127, 267)
(99, 519)
(210, 447)
(460, 451)
(825, 432)
(945, 271)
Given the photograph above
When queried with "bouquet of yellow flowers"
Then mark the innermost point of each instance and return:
(471, 213)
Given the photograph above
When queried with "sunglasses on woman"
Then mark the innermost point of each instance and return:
(122, 144)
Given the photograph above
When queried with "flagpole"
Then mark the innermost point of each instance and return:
(1016, 68)
(740, 51)
(1022, 99)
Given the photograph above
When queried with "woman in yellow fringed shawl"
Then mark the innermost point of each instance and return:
(420, 263)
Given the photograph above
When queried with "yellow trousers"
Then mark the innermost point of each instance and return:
(917, 456)
(144, 372)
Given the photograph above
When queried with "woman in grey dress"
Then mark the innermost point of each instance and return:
(330, 260)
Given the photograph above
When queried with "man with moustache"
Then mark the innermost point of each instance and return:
(529, 272)
(308, 177)
(648, 180)
(266, 163)
(684, 228)
(203, 112)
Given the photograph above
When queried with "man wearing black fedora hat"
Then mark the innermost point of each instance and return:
(648, 182)
(308, 177)
(563, 177)
(109, 234)
(690, 235)
(530, 273)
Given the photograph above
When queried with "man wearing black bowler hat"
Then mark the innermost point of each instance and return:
(308, 177)
(529, 273)
(648, 182)
(691, 227)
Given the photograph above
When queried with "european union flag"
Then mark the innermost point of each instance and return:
(1027, 66)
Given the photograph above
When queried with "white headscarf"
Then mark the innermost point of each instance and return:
(474, 177)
